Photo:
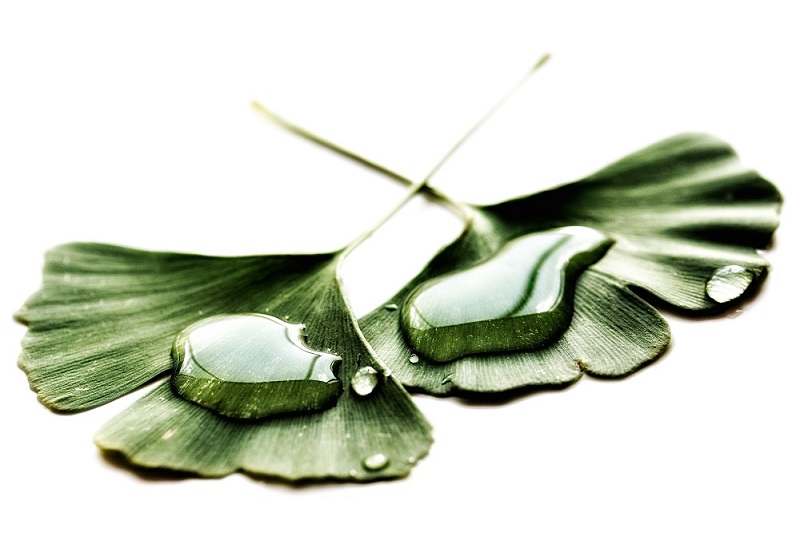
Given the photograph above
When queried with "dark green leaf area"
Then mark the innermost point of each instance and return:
(521, 298)
(612, 333)
(679, 212)
(105, 320)
(165, 431)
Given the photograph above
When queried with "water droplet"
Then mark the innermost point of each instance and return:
(390, 307)
(734, 313)
(447, 379)
(376, 462)
(518, 299)
(728, 283)
(413, 359)
(364, 381)
(252, 366)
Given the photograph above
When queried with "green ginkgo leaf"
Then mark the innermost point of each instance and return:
(685, 218)
(105, 320)
(108, 320)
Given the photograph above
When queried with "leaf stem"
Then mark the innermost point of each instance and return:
(416, 187)
(542, 60)
(316, 139)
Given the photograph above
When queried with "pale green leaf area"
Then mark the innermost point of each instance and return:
(103, 324)
(677, 211)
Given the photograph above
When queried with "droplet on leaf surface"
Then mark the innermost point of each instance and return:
(364, 381)
(252, 366)
(376, 462)
(728, 283)
(520, 298)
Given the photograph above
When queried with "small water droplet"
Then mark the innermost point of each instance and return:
(412, 460)
(252, 366)
(353, 473)
(390, 307)
(447, 379)
(413, 359)
(520, 298)
(364, 381)
(735, 313)
(728, 283)
(376, 462)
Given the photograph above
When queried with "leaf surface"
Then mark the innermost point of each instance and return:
(103, 325)
(677, 211)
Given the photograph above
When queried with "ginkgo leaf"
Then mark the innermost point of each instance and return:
(104, 322)
(685, 218)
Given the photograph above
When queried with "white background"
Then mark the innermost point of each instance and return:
(133, 125)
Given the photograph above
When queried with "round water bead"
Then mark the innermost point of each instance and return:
(376, 462)
(252, 366)
(728, 283)
(364, 381)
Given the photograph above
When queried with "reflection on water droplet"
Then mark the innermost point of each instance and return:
(252, 366)
(728, 283)
(375, 462)
(518, 299)
(413, 359)
(390, 307)
(364, 381)
(734, 313)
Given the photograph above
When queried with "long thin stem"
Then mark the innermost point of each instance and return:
(542, 60)
(316, 139)
(415, 187)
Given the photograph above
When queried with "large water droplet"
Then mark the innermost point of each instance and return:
(728, 283)
(364, 381)
(375, 462)
(252, 366)
(520, 298)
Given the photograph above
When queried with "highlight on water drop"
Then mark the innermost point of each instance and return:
(520, 298)
(375, 462)
(364, 381)
(252, 366)
(728, 283)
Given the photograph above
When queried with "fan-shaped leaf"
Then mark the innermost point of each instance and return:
(104, 322)
(678, 211)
